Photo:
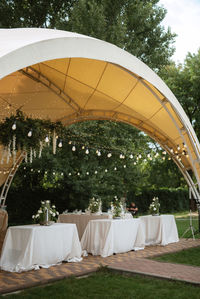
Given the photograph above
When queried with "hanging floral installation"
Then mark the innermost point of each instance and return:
(21, 133)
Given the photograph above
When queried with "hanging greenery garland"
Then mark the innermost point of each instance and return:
(19, 132)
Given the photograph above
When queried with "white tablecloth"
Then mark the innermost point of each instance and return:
(32, 246)
(159, 229)
(82, 220)
(105, 237)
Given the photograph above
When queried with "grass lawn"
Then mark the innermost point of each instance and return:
(188, 257)
(184, 223)
(105, 284)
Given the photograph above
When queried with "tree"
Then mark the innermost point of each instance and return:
(133, 25)
(184, 80)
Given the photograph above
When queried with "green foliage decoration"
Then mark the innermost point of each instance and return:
(39, 130)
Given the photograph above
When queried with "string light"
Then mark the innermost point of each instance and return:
(87, 151)
(73, 148)
(115, 168)
(60, 143)
(70, 142)
(178, 147)
(46, 139)
(109, 155)
(106, 170)
(131, 156)
(14, 126)
(96, 172)
(30, 133)
(83, 147)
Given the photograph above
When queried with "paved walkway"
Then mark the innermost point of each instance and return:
(133, 262)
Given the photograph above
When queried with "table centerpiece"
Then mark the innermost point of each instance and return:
(95, 206)
(154, 207)
(47, 214)
(117, 209)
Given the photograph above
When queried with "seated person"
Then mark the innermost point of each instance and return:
(133, 209)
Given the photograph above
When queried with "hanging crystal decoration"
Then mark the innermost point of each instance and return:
(54, 142)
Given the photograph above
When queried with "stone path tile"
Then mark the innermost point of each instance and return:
(133, 261)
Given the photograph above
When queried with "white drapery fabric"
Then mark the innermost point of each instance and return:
(105, 237)
(32, 246)
(159, 229)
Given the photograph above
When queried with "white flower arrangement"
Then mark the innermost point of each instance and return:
(154, 206)
(46, 213)
(95, 205)
(117, 209)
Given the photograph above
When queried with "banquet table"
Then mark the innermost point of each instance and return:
(106, 237)
(159, 229)
(29, 247)
(81, 220)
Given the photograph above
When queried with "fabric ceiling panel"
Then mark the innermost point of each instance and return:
(161, 118)
(53, 75)
(174, 115)
(116, 83)
(155, 90)
(87, 71)
(101, 101)
(60, 65)
(79, 92)
(142, 101)
(126, 110)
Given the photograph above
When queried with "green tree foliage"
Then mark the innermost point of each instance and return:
(133, 25)
(184, 80)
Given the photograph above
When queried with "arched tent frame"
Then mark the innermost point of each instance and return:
(70, 77)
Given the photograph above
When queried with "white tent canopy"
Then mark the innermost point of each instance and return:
(69, 77)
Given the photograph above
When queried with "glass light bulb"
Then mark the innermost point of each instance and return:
(60, 144)
(73, 148)
(87, 151)
(30, 133)
(46, 139)
(14, 126)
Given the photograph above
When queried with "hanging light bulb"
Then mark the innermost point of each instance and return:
(121, 156)
(78, 173)
(106, 170)
(14, 126)
(124, 166)
(99, 154)
(95, 172)
(134, 163)
(60, 143)
(131, 156)
(171, 150)
(46, 139)
(164, 153)
(73, 148)
(87, 173)
(169, 158)
(30, 133)
(149, 156)
(62, 173)
(178, 147)
(109, 155)
(115, 168)
(70, 174)
(54, 173)
(140, 156)
(87, 151)
(83, 147)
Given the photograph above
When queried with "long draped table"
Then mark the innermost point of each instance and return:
(32, 246)
(159, 229)
(106, 237)
(81, 220)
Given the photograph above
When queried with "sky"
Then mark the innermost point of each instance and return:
(183, 17)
